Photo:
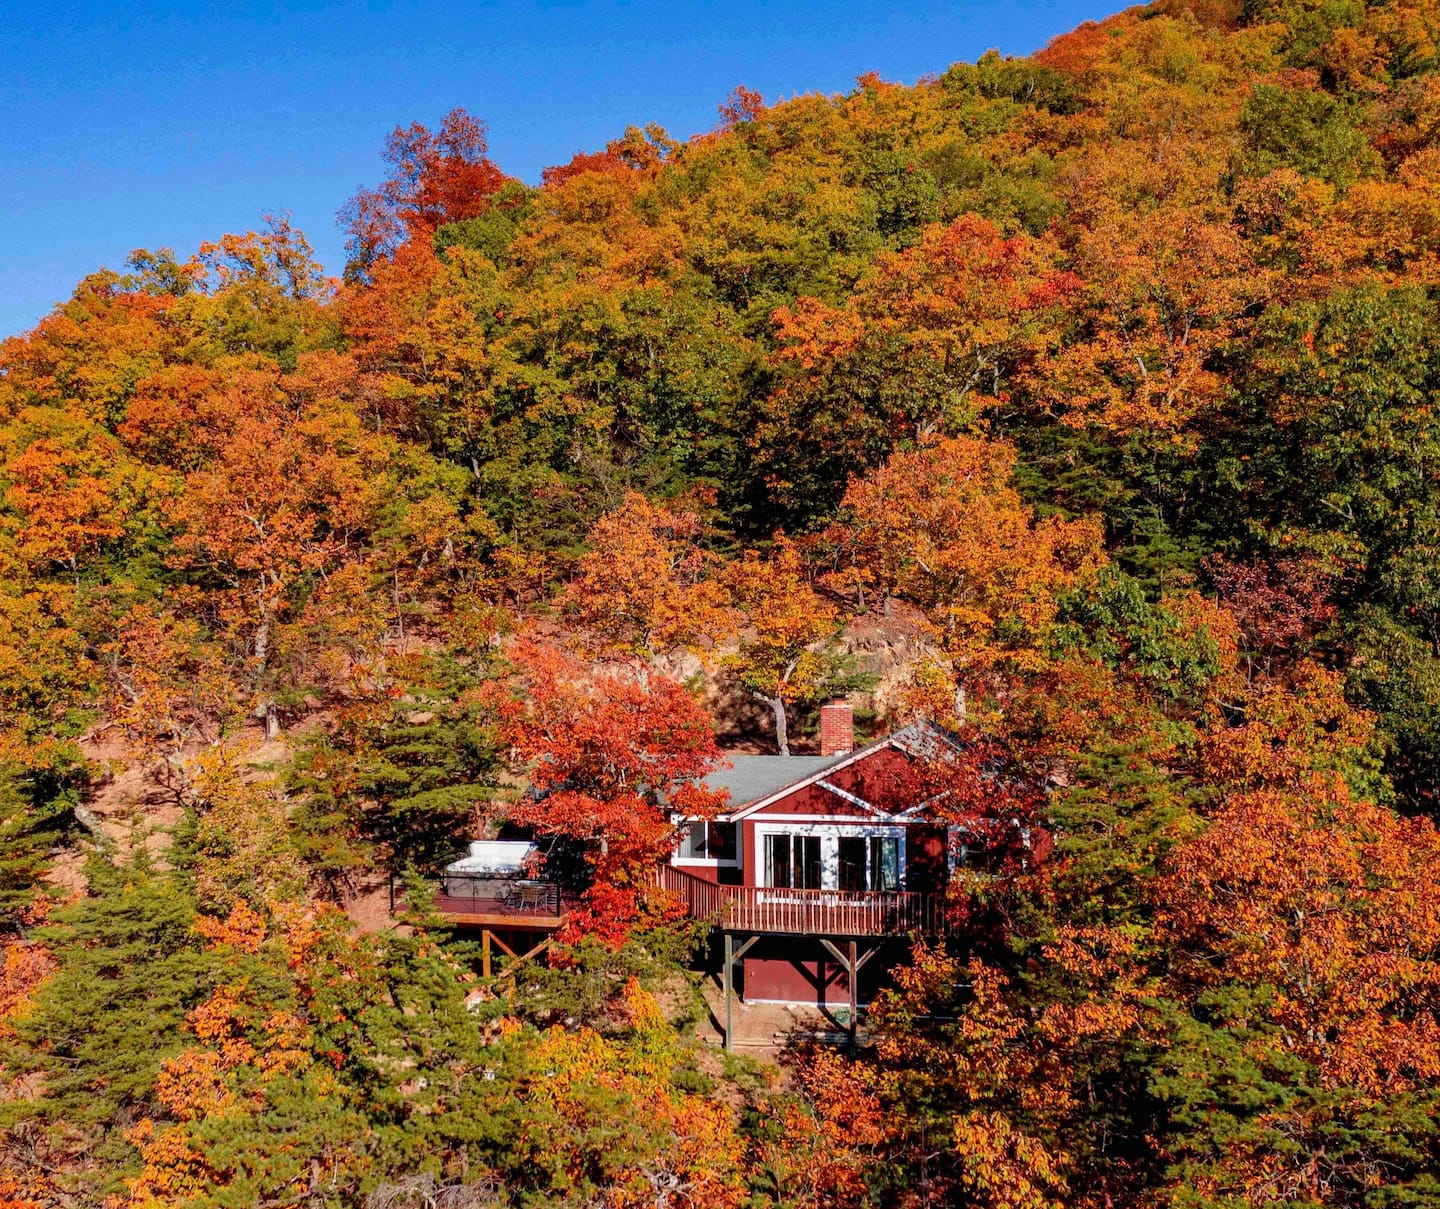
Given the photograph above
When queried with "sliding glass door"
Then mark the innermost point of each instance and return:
(850, 858)
(884, 862)
(869, 862)
(854, 874)
(793, 860)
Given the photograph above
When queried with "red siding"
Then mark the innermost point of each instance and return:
(787, 969)
(875, 778)
(926, 859)
(724, 875)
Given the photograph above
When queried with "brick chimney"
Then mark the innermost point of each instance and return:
(837, 728)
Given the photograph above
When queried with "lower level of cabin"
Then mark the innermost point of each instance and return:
(800, 970)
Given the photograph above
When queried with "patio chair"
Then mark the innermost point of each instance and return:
(528, 898)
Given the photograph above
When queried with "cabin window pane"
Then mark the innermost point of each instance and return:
(777, 860)
(807, 862)
(722, 839)
(973, 850)
(793, 860)
(700, 841)
(852, 863)
(692, 841)
(884, 862)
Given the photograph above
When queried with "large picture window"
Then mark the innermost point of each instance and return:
(793, 861)
(869, 862)
(855, 859)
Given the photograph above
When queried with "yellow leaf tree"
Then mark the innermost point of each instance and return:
(647, 586)
(785, 656)
(943, 527)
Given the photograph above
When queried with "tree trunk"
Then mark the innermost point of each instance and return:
(262, 656)
(89, 820)
(782, 729)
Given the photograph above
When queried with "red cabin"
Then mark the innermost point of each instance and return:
(821, 869)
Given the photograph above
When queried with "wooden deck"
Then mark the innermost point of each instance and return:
(759, 909)
(480, 914)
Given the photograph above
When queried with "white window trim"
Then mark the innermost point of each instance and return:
(829, 834)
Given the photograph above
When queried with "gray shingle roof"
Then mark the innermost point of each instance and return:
(750, 778)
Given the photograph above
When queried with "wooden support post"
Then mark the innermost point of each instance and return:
(732, 955)
(854, 980)
(485, 952)
(729, 959)
(853, 962)
(866, 956)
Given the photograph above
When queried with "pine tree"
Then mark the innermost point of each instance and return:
(130, 965)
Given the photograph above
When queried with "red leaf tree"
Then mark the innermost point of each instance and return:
(436, 177)
(610, 753)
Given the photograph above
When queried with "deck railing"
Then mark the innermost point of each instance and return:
(471, 894)
(804, 912)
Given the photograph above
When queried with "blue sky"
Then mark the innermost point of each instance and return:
(164, 125)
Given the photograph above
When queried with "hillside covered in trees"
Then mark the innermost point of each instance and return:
(1103, 385)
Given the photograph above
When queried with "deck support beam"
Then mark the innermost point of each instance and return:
(853, 961)
(732, 955)
(489, 941)
(538, 949)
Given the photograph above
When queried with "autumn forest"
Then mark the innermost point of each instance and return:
(1086, 405)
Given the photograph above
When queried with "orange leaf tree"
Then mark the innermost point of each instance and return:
(287, 500)
(942, 527)
(647, 586)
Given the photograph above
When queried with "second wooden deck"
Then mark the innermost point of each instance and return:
(502, 903)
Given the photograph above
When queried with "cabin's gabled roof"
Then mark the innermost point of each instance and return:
(749, 778)
(753, 782)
